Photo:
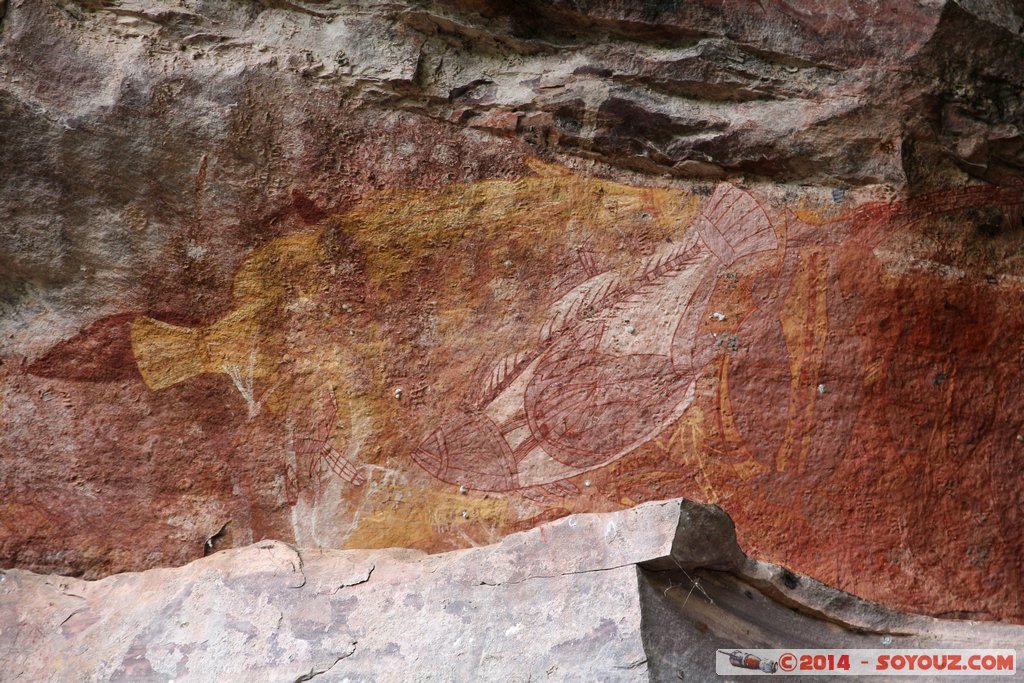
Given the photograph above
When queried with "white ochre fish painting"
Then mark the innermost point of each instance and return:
(615, 363)
(588, 308)
(562, 407)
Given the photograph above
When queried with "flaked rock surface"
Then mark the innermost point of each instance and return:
(647, 594)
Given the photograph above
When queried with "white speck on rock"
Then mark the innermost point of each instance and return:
(195, 251)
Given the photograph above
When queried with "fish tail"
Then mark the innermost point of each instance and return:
(166, 354)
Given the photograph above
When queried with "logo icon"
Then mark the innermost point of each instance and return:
(744, 660)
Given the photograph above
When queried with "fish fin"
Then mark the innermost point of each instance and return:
(544, 493)
(101, 352)
(658, 267)
(1013, 217)
(344, 468)
(588, 262)
(535, 494)
(505, 371)
(328, 414)
(561, 489)
(669, 262)
(734, 225)
(490, 378)
(587, 298)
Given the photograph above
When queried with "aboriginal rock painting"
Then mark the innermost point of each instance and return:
(438, 368)
(616, 363)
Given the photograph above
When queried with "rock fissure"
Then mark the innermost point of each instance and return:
(298, 569)
(634, 665)
(68, 617)
(356, 582)
(313, 672)
(485, 582)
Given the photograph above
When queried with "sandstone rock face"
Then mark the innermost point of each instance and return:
(558, 603)
(592, 597)
(422, 274)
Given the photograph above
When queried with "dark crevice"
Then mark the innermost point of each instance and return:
(218, 540)
(540, 22)
(294, 7)
(369, 574)
(722, 600)
(314, 672)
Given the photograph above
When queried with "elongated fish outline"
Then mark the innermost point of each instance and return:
(615, 363)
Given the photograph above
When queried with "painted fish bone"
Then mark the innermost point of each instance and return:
(616, 362)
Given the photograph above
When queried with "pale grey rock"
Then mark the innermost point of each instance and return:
(595, 597)
(554, 603)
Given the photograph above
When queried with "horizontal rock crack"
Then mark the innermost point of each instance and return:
(485, 582)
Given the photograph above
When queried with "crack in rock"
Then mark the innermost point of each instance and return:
(296, 568)
(301, 568)
(68, 617)
(314, 672)
(634, 665)
(485, 582)
(356, 582)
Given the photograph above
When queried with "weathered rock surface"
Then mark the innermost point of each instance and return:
(427, 273)
(592, 597)
(559, 602)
